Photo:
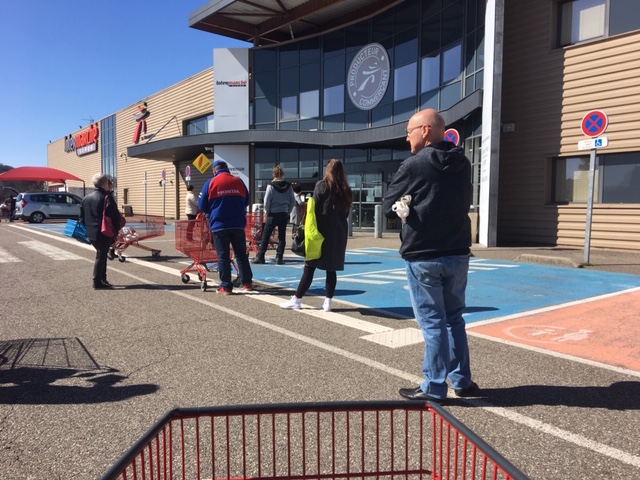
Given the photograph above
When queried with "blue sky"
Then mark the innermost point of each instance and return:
(65, 62)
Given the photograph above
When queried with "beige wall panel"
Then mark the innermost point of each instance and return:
(186, 100)
(546, 93)
(84, 167)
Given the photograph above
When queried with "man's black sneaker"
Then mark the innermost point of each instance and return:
(471, 391)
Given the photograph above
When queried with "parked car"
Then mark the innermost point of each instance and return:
(35, 207)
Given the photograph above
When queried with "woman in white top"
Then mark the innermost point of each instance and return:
(191, 204)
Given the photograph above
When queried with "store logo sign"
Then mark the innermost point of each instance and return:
(84, 142)
(368, 76)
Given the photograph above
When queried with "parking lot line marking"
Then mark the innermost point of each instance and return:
(534, 424)
(54, 253)
(363, 280)
(6, 257)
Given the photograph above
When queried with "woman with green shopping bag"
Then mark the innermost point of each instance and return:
(332, 197)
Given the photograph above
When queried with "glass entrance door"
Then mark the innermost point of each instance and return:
(367, 193)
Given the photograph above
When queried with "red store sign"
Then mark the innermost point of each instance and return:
(84, 142)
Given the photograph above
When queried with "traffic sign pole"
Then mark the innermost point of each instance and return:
(592, 177)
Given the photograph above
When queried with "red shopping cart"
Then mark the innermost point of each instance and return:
(253, 232)
(136, 229)
(193, 238)
(391, 440)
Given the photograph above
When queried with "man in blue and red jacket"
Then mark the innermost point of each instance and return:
(225, 199)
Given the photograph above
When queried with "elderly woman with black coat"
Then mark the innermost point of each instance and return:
(92, 208)
(333, 199)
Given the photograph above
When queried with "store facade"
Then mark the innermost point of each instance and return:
(341, 82)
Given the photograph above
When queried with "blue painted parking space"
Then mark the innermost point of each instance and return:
(375, 278)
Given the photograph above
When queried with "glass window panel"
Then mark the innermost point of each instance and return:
(310, 104)
(289, 55)
(357, 36)
(571, 179)
(381, 115)
(469, 85)
(472, 11)
(310, 124)
(330, 153)
(333, 100)
(430, 100)
(430, 35)
(289, 80)
(624, 16)
(310, 76)
(471, 53)
(582, 20)
(355, 155)
(480, 49)
(265, 83)
(431, 8)
(289, 108)
(333, 42)
(406, 49)
(450, 95)
(264, 59)
(404, 85)
(452, 23)
(265, 126)
(334, 71)
(288, 125)
(265, 110)
(357, 120)
(381, 155)
(406, 16)
(621, 178)
(309, 50)
(382, 27)
(403, 110)
(430, 73)
(334, 123)
(290, 168)
(451, 63)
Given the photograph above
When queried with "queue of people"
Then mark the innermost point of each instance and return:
(430, 192)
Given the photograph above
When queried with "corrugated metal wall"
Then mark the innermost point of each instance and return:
(546, 93)
(186, 100)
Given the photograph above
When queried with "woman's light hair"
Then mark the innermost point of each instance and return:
(100, 179)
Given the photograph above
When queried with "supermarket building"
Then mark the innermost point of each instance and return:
(339, 79)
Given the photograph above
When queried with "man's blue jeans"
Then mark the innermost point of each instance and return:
(437, 287)
(234, 237)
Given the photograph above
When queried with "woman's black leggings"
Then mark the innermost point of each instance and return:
(307, 280)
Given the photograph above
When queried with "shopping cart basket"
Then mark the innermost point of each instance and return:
(253, 232)
(395, 439)
(137, 228)
(193, 238)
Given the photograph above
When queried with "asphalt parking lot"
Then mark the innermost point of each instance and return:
(85, 373)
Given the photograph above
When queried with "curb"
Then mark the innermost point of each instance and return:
(548, 260)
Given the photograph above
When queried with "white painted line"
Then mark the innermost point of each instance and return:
(497, 265)
(363, 280)
(54, 253)
(333, 317)
(396, 338)
(6, 257)
(532, 423)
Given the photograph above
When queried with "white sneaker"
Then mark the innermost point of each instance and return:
(293, 304)
(326, 305)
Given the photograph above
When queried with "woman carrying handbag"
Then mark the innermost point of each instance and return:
(333, 198)
(100, 214)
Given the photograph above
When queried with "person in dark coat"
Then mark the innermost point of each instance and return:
(91, 212)
(333, 199)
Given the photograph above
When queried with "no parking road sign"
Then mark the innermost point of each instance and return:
(594, 123)
(452, 136)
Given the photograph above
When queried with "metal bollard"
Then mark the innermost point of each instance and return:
(377, 222)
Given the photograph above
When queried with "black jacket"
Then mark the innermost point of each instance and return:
(91, 210)
(438, 178)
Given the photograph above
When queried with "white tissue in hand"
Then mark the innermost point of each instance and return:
(401, 207)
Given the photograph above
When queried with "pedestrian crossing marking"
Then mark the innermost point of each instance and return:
(6, 257)
(50, 251)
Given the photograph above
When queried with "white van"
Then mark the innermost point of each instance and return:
(35, 207)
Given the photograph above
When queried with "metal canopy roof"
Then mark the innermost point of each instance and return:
(267, 22)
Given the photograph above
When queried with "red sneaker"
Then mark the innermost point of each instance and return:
(247, 287)
(224, 291)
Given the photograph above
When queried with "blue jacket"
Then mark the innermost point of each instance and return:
(225, 199)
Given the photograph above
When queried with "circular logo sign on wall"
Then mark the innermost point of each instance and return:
(368, 76)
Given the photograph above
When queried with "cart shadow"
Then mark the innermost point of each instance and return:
(617, 396)
(59, 371)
